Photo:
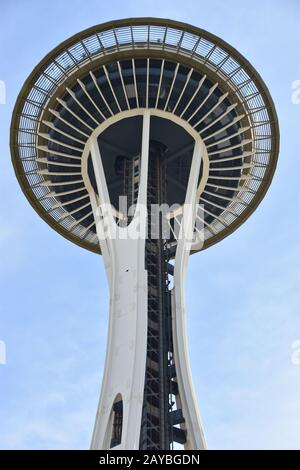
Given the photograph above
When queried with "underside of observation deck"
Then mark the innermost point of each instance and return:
(131, 64)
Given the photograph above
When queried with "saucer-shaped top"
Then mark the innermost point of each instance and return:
(144, 63)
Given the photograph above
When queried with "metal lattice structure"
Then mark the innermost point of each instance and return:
(161, 113)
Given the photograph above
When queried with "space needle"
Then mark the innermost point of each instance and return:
(126, 116)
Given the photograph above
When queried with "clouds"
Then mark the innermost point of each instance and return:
(58, 419)
(241, 346)
(54, 396)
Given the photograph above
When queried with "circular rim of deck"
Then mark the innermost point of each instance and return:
(147, 22)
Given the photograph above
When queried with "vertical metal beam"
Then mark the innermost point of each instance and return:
(192, 425)
(155, 425)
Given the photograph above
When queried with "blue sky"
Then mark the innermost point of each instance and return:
(242, 294)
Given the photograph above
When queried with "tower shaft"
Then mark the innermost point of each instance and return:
(147, 400)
